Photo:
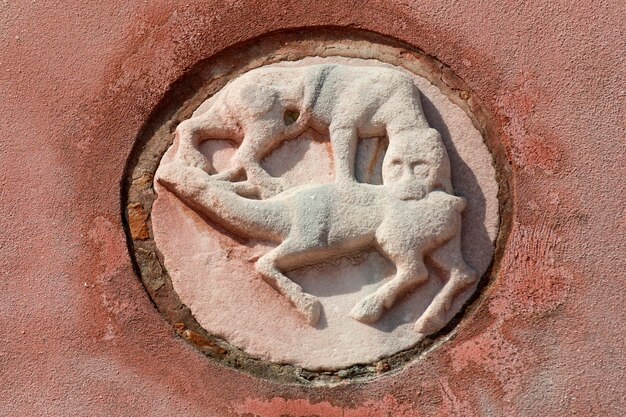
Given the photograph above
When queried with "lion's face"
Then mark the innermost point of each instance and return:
(411, 167)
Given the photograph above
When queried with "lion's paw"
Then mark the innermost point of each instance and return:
(429, 324)
(311, 309)
(368, 310)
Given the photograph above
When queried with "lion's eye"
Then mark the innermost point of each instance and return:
(396, 162)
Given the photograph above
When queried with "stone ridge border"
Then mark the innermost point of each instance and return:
(205, 79)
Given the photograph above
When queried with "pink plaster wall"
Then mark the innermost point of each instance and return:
(79, 335)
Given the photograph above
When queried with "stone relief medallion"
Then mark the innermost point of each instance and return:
(320, 213)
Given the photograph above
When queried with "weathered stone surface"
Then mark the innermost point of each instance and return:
(78, 82)
(215, 275)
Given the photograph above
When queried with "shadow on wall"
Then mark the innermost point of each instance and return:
(474, 234)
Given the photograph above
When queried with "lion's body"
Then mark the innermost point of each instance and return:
(347, 101)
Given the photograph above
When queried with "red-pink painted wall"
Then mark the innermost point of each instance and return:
(79, 334)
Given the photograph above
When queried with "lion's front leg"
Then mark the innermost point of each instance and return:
(344, 140)
(449, 259)
(411, 272)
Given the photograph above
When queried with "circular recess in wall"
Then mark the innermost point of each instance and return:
(333, 306)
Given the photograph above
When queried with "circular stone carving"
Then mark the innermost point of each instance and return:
(214, 245)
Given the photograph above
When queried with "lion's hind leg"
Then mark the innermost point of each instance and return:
(449, 259)
(308, 305)
(191, 133)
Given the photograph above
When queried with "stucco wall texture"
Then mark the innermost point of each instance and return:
(78, 333)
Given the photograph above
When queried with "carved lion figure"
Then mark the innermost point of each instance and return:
(268, 105)
(410, 217)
